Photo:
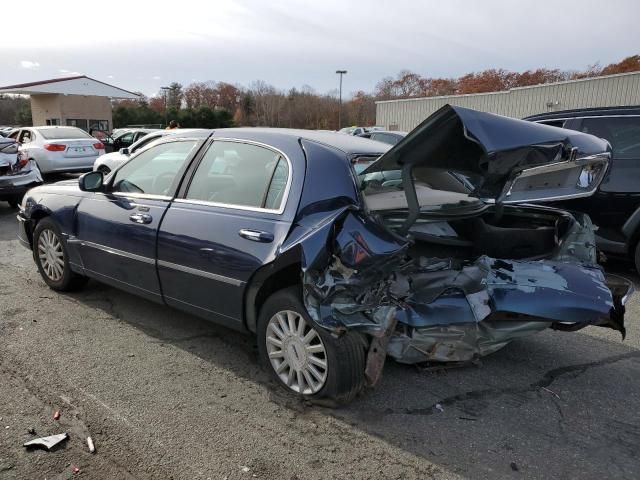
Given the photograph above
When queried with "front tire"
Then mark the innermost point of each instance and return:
(304, 358)
(52, 259)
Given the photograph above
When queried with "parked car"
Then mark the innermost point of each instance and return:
(17, 173)
(58, 149)
(125, 138)
(615, 207)
(271, 231)
(384, 136)
(108, 162)
(353, 130)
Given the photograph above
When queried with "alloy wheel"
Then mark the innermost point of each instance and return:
(51, 255)
(296, 352)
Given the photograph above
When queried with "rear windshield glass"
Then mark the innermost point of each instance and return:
(63, 133)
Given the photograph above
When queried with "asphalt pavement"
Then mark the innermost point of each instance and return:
(167, 395)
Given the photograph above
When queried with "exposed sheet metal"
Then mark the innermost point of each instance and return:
(434, 309)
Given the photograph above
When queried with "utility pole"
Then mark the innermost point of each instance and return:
(166, 113)
(341, 73)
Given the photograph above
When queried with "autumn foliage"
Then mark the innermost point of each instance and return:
(215, 104)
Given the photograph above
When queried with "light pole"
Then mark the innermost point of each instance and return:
(166, 113)
(341, 73)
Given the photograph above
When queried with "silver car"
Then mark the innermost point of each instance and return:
(59, 149)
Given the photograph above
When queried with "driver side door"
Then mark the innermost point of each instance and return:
(117, 230)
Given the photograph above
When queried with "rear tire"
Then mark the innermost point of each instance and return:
(305, 359)
(52, 259)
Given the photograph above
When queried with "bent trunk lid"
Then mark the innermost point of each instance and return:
(498, 159)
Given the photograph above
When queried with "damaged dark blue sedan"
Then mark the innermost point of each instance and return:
(430, 253)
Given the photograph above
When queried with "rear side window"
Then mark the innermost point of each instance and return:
(623, 133)
(386, 138)
(553, 123)
(241, 174)
(63, 133)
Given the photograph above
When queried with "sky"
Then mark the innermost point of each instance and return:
(143, 45)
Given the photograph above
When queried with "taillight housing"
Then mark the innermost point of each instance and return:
(55, 147)
(98, 146)
(22, 161)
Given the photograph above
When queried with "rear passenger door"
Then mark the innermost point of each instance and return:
(227, 225)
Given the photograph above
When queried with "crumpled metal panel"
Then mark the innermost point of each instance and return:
(446, 309)
(458, 342)
(27, 175)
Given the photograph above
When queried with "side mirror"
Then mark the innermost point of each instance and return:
(91, 182)
(124, 151)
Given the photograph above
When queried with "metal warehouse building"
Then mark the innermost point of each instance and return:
(612, 90)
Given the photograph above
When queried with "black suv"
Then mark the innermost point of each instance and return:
(615, 207)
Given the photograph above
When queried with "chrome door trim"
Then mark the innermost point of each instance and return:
(200, 273)
(113, 251)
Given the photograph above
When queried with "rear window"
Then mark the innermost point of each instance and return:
(63, 133)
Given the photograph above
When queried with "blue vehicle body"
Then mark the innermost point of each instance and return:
(355, 272)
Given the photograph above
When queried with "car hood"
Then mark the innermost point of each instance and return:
(502, 158)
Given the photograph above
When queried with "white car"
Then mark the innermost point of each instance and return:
(59, 149)
(110, 161)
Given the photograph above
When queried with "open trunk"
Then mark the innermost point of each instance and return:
(444, 262)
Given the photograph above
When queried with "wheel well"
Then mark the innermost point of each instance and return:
(263, 289)
(35, 218)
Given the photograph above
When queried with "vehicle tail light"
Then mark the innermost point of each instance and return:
(98, 146)
(55, 147)
(22, 162)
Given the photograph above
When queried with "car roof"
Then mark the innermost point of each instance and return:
(53, 126)
(590, 112)
(348, 144)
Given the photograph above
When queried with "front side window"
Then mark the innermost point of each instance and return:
(241, 174)
(125, 139)
(154, 171)
(623, 133)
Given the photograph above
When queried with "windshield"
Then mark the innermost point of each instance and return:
(55, 133)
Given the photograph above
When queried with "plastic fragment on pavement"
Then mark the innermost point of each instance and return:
(439, 407)
(56, 416)
(92, 447)
(47, 442)
(75, 469)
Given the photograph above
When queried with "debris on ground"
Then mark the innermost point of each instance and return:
(514, 467)
(56, 416)
(92, 447)
(245, 469)
(75, 469)
(439, 407)
(551, 392)
(31, 431)
(47, 442)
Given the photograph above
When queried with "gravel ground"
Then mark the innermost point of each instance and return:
(166, 395)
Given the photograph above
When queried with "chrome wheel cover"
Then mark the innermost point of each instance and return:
(296, 352)
(51, 255)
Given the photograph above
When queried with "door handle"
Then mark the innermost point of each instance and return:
(256, 235)
(143, 218)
